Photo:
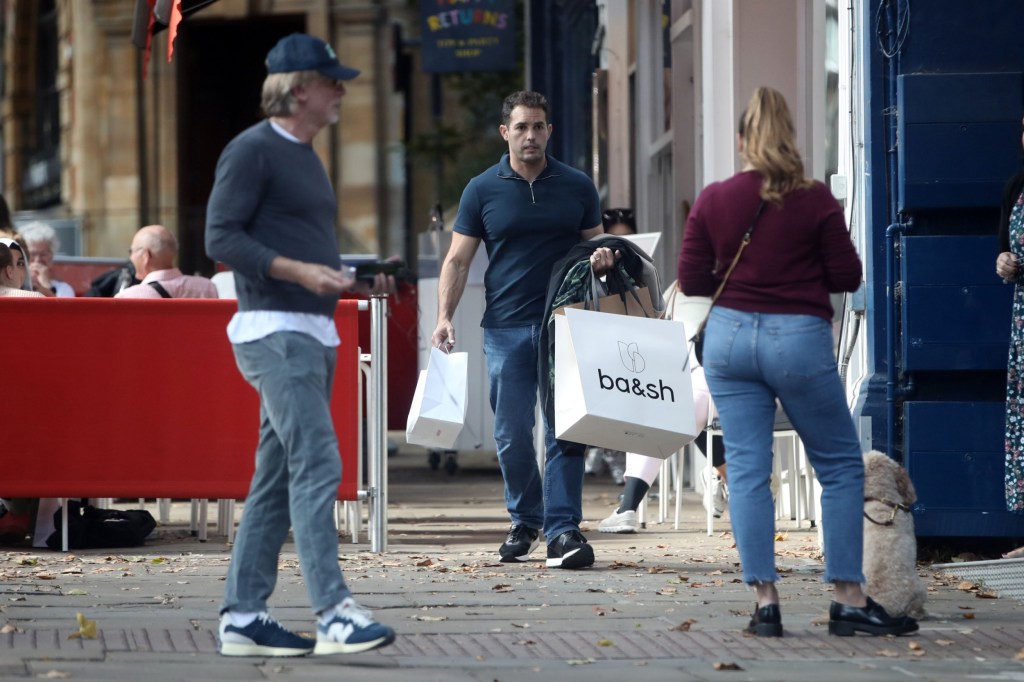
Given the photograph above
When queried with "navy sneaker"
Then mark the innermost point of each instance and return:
(519, 543)
(262, 637)
(351, 629)
(570, 550)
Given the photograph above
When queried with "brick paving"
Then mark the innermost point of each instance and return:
(665, 603)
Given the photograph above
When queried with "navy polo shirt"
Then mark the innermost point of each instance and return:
(526, 228)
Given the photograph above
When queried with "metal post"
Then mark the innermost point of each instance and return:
(377, 414)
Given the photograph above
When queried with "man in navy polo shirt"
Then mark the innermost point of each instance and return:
(529, 210)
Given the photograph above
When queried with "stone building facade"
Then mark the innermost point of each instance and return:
(86, 137)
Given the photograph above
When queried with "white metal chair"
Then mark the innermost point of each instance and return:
(798, 495)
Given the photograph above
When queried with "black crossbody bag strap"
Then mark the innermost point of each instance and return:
(160, 289)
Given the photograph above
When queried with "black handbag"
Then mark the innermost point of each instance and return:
(698, 338)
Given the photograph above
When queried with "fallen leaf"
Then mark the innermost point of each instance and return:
(622, 564)
(985, 595)
(7, 628)
(667, 591)
(425, 562)
(28, 561)
(780, 537)
(1019, 656)
(521, 625)
(966, 586)
(914, 646)
(500, 587)
(918, 653)
(86, 627)
(431, 618)
(968, 615)
(159, 560)
(580, 661)
(684, 626)
(605, 642)
(77, 592)
(945, 642)
(55, 675)
(889, 653)
(726, 666)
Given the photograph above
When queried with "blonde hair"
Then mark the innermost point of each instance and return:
(769, 145)
(277, 98)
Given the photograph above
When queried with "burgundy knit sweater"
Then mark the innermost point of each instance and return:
(799, 253)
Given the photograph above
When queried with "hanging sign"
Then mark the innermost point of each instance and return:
(468, 35)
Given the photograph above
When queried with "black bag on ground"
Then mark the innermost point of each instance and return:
(92, 528)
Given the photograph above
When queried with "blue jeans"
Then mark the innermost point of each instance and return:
(512, 369)
(298, 470)
(749, 360)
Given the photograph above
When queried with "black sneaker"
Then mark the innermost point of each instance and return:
(520, 541)
(570, 550)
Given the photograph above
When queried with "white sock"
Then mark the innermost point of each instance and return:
(326, 615)
(241, 619)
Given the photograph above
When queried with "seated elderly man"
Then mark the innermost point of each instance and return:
(13, 270)
(152, 253)
(43, 243)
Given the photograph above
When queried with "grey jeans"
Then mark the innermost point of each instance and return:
(298, 470)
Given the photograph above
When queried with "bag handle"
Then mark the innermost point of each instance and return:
(618, 274)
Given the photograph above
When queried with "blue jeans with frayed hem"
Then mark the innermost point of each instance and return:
(750, 359)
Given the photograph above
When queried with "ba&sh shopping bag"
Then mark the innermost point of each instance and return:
(623, 382)
(438, 410)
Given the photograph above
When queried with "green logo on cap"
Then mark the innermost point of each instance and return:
(330, 51)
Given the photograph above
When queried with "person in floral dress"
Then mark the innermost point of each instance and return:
(1011, 239)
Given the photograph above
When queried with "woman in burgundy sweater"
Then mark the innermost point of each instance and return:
(769, 336)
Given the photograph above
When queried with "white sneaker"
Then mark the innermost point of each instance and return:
(715, 493)
(349, 629)
(624, 522)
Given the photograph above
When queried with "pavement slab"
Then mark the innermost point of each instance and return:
(662, 604)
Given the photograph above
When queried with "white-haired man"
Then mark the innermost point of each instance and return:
(43, 243)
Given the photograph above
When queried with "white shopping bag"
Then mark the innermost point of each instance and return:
(621, 382)
(438, 409)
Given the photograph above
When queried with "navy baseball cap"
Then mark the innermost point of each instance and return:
(303, 52)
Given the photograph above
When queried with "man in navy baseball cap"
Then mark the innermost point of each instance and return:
(271, 218)
(303, 52)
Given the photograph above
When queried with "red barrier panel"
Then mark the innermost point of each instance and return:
(136, 398)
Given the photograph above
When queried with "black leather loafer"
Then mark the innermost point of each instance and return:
(845, 621)
(765, 622)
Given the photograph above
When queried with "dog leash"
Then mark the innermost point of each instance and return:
(896, 506)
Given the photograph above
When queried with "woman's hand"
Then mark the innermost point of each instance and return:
(1006, 267)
